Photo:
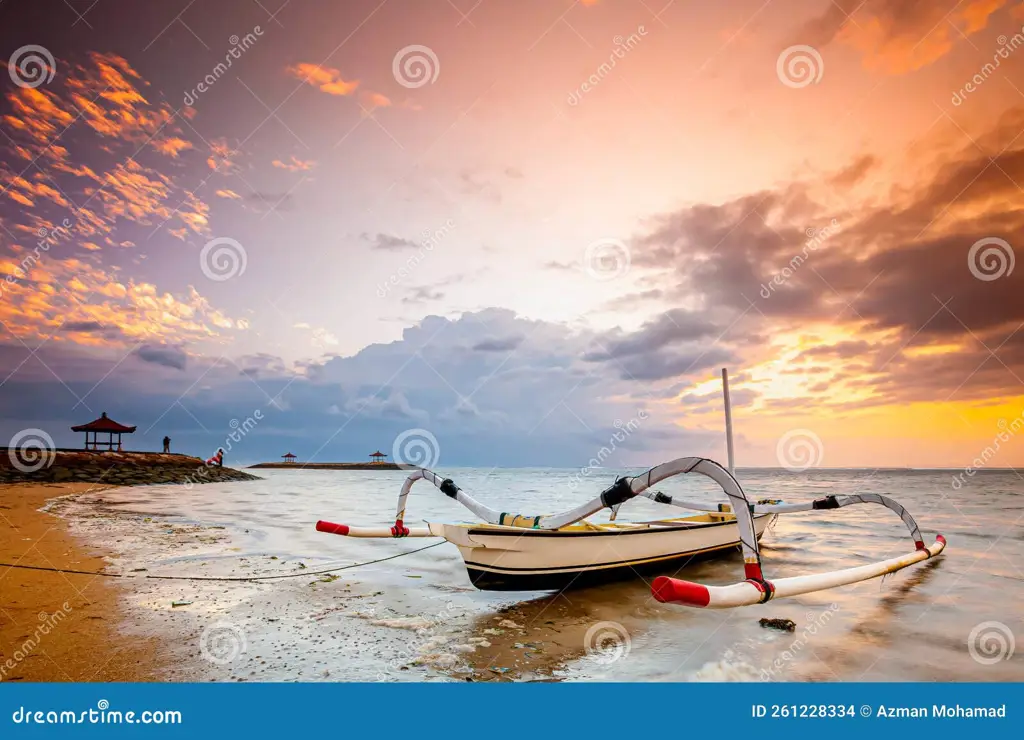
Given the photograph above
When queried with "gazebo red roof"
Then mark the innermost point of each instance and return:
(103, 424)
(288, 455)
(378, 453)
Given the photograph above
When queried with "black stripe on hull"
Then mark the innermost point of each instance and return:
(486, 580)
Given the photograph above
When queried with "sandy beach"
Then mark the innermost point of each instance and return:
(57, 627)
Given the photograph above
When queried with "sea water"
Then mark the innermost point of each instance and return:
(417, 617)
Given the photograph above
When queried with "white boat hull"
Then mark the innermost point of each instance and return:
(515, 559)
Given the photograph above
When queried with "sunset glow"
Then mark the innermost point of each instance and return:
(513, 224)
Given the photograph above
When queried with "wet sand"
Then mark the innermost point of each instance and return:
(60, 627)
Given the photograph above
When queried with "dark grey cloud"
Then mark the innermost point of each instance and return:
(163, 354)
(498, 345)
(390, 242)
(671, 327)
(85, 326)
(903, 268)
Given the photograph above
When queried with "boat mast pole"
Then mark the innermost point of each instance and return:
(728, 421)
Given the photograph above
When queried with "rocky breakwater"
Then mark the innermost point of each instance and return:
(114, 468)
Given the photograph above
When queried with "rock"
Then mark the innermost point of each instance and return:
(786, 625)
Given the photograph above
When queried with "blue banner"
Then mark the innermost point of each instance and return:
(496, 710)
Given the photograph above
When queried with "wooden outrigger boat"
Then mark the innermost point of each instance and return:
(515, 552)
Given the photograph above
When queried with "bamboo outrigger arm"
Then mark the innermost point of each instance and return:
(622, 490)
(821, 504)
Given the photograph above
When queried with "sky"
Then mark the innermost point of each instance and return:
(497, 233)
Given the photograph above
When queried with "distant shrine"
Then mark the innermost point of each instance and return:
(288, 457)
(378, 457)
(103, 425)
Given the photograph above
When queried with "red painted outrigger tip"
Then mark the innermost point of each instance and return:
(673, 591)
(331, 527)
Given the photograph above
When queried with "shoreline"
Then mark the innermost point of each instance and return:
(325, 466)
(56, 626)
(247, 631)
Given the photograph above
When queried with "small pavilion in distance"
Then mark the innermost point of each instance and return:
(378, 457)
(288, 457)
(103, 425)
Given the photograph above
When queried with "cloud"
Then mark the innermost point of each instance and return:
(325, 79)
(855, 172)
(294, 164)
(390, 242)
(893, 283)
(86, 135)
(375, 100)
(898, 36)
(163, 354)
(498, 345)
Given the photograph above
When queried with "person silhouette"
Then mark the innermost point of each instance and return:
(167, 444)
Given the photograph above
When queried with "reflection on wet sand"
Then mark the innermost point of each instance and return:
(877, 630)
(535, 640)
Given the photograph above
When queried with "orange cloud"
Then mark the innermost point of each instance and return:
(102, 97)
(222, 156)
(376, 100)
(171, 146)
(893, 40)
(73, 300)
(325, 79)
(294, 165)
(231, 194)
